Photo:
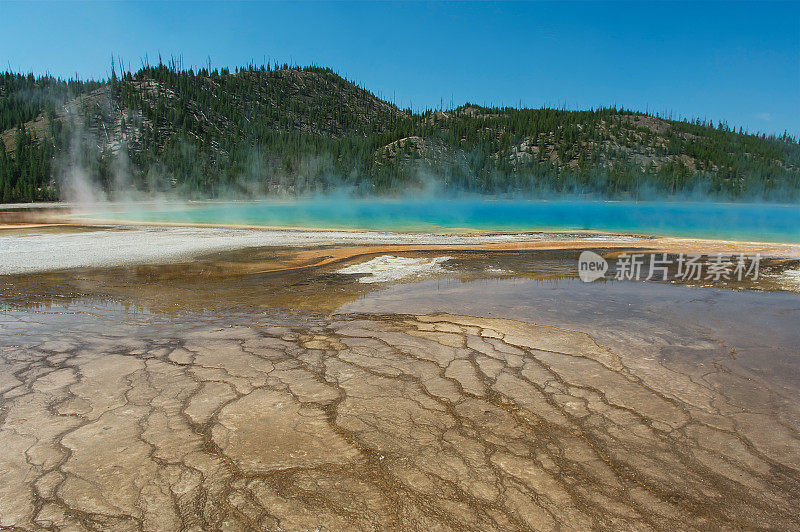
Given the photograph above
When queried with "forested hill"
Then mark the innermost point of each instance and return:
(289, 130)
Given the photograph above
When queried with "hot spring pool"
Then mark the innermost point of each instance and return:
(733, 221)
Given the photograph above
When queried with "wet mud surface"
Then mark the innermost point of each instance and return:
(163, 399)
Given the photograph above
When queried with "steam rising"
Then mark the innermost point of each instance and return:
(312, 195)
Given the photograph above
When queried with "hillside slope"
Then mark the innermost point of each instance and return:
(295, 130)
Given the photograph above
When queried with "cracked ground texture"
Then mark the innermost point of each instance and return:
(117, 419)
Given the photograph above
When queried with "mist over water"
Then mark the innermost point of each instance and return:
(430, 207)
(427, 204)
(735, 221)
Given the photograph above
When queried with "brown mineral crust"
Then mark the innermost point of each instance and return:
(373, 421)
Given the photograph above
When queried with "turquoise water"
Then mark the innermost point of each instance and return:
(758, 222)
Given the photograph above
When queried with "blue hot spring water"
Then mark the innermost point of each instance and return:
(733, 221)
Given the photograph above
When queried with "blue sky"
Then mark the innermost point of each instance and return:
(737, 62)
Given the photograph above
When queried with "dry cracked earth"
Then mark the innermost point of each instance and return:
(112, 419)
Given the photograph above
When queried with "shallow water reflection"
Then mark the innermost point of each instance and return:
(501, 394)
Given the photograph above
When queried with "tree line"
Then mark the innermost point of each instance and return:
(280, 129)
